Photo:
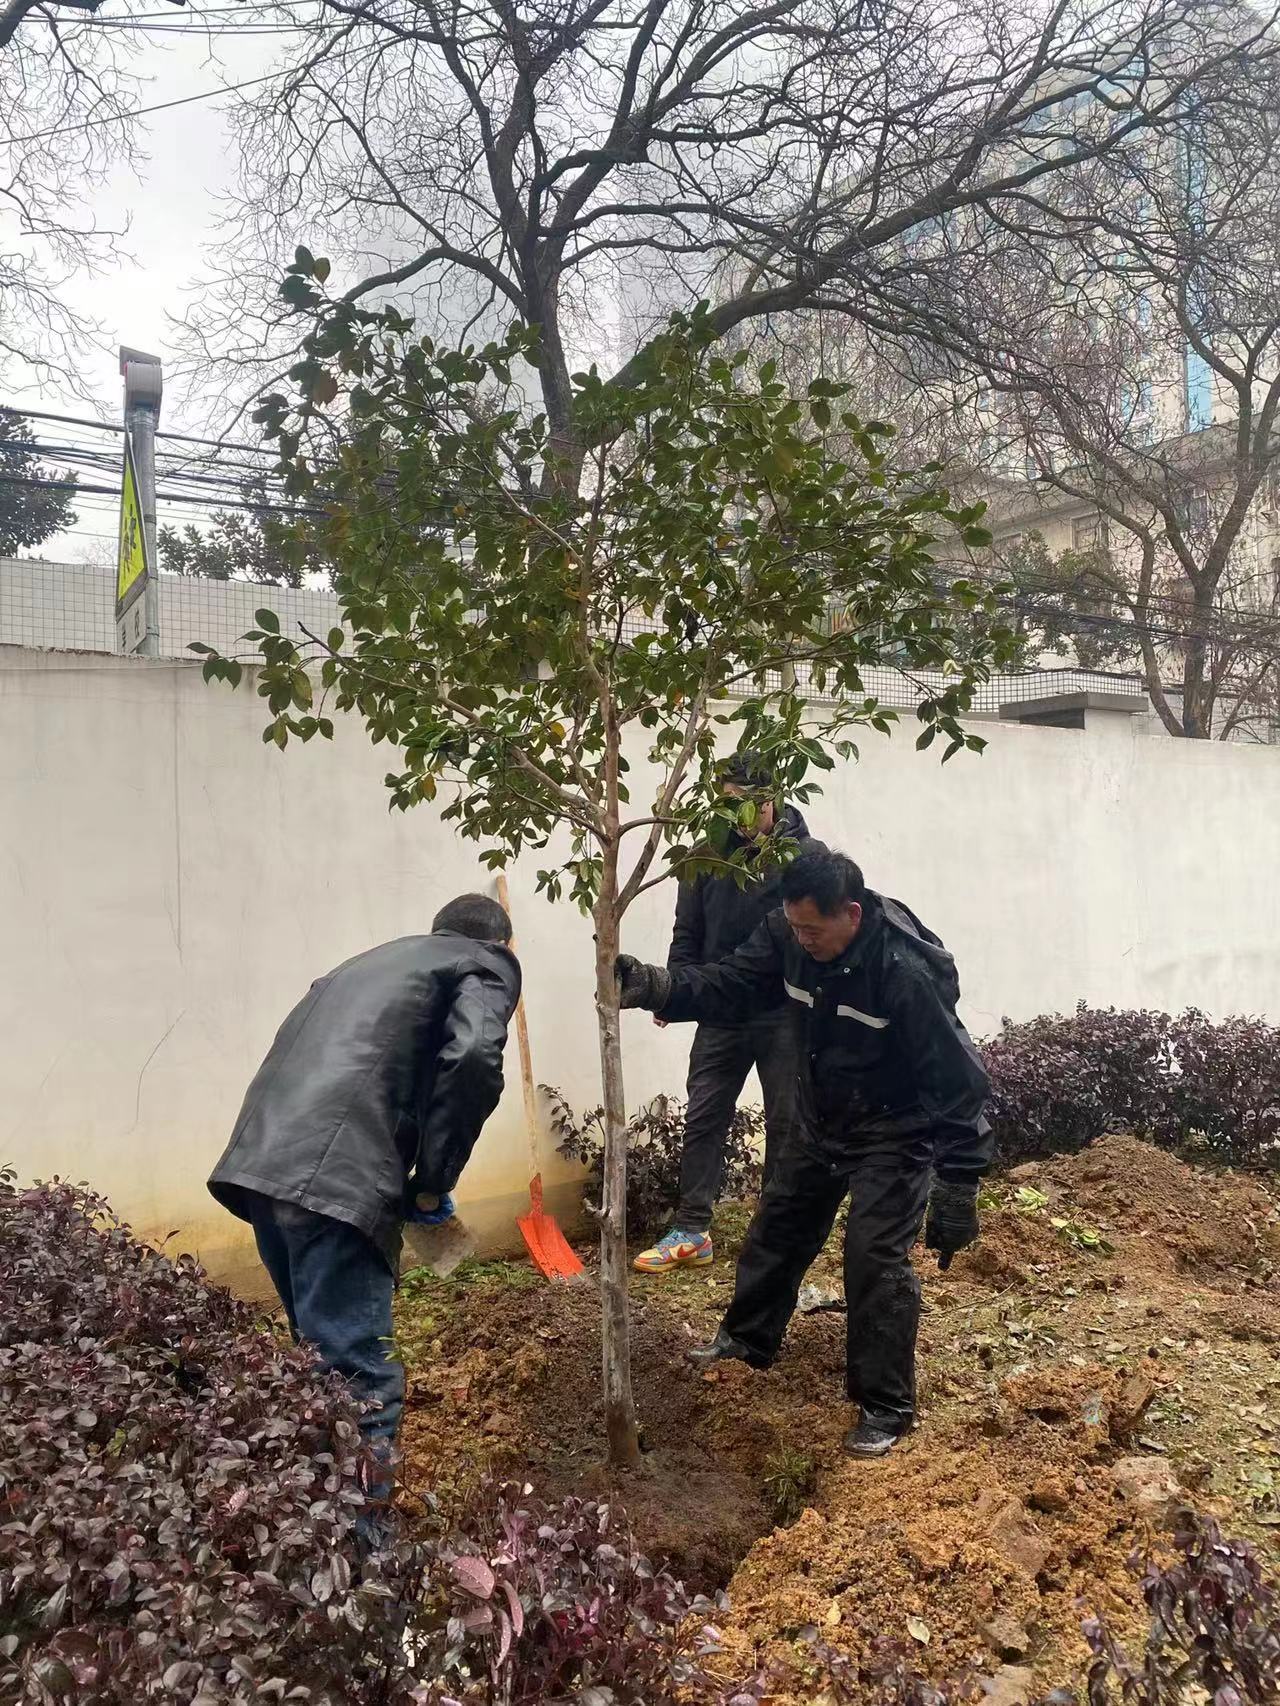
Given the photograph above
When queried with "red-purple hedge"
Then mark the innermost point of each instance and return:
(1059, 1082)
(178, 1488)
(178, 1497)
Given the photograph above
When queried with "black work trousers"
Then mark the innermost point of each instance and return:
(721, 1058)
(888, 1187)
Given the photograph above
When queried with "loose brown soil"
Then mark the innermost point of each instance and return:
(1065, 1390)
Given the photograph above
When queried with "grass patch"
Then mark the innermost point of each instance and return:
(790, 1477)
(495, 1274)
(729, 1228)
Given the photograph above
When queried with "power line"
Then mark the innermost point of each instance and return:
(92, 456)
(115, 426)
(74, 486)
(67, 420)
(211, 476)
(202, 30)
(141, 112)
(240, 11)
(220, 443)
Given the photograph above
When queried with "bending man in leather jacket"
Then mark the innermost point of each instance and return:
(365, 1112)
(890, 1097)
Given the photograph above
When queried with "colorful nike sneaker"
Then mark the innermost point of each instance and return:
(677, 1250)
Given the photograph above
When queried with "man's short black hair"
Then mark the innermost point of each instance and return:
(828, 879)
(474, 915)
(748, 770)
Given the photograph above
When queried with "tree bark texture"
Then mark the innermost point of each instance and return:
(619, 1400)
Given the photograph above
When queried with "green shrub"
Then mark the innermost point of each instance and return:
(655, 1139)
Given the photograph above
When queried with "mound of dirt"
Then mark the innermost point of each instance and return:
(1012, 1247)
(977, 1541)
(1162, 1213)
(1072, 1387)
(937, 1541)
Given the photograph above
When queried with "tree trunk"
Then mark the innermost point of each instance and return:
(564, 472)
(1197, 693)
(619, 1401)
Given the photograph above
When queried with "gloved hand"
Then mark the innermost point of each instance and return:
(952, 1222)
(641, 985)
(421, 1214)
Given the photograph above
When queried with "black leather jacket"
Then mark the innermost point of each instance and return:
(377, 1085)
(882, 1051)
(714, 915)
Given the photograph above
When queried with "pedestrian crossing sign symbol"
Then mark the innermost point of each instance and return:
(131, 562)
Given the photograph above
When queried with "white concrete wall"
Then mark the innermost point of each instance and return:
(169, 887)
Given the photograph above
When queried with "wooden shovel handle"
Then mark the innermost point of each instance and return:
(522, 1043)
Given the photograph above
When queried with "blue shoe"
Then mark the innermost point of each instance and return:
(677, 1250)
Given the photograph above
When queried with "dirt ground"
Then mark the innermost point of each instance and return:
(1110, 1346)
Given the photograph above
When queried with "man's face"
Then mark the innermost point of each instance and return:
(823, 937)
(766, 813)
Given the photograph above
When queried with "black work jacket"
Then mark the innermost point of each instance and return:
(715, 915)
(377, 1085)
(882, 1052)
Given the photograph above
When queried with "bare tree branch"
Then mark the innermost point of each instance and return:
(598, 164)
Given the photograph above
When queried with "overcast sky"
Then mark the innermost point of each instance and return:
(170, 202)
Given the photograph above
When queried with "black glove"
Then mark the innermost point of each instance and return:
(952, 1222)
(641, 985)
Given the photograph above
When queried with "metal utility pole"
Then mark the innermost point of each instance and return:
(137, 590)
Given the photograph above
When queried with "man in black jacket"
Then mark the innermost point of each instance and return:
(891, 1094)
(363, 1114)
(714, 915)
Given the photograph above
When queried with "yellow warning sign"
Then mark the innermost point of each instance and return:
(131, 562)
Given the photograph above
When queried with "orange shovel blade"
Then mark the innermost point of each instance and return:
(548, 1246)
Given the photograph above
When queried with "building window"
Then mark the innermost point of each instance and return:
(1198, 385)
(1137, 411)
(1086, 533)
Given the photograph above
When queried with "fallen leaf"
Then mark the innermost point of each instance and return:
(919, 1630)
(833, 1613)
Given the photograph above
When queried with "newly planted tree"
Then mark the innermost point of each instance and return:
(525, 627)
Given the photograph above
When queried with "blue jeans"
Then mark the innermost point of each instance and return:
(336, 1287)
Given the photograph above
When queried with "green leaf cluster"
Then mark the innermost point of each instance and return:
(693, 559)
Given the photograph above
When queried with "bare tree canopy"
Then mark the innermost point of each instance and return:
(66, 99)
(584, 166)
(1112, 341)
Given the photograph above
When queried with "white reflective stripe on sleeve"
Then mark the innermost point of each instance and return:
(863, 1018)
(797, 994)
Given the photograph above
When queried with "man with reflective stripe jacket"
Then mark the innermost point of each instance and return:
(890, 1094)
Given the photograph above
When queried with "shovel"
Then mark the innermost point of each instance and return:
(547, 1245)
(436, 1248)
